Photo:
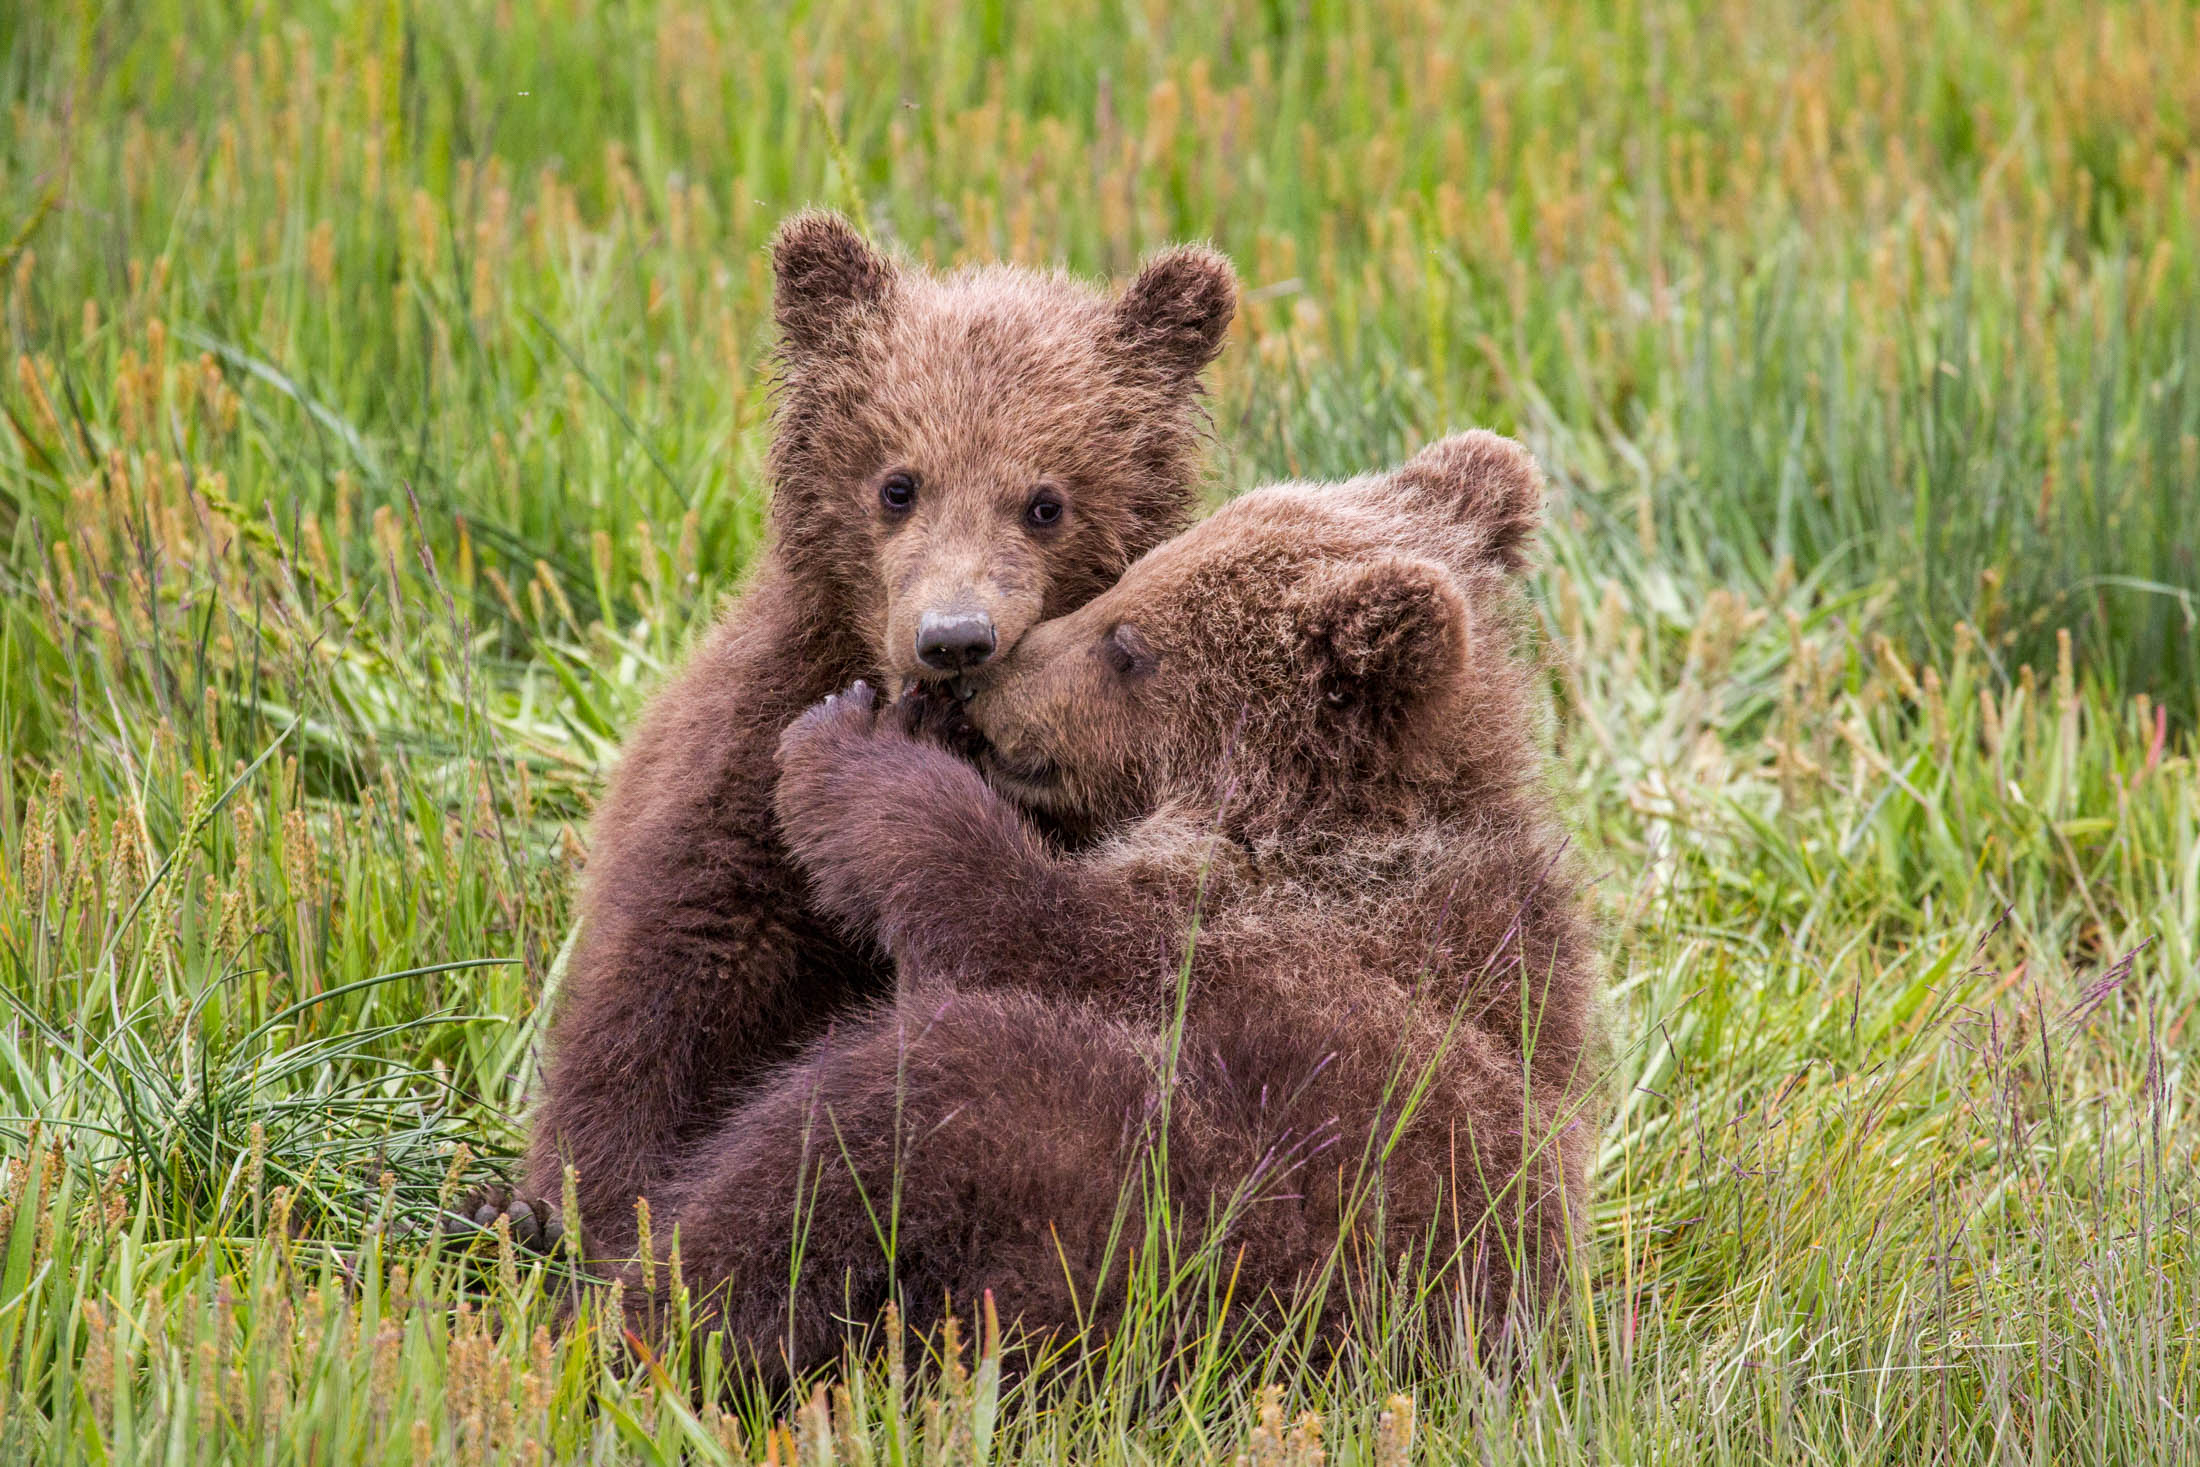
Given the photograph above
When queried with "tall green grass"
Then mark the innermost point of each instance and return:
(1892, 288)
(384, 409)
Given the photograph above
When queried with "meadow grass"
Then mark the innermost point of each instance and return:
(385, 401)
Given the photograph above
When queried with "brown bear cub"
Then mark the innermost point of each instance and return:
(1295, 752)
(955, 458)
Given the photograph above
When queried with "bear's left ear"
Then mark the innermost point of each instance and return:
(1487, 489)
(1174, 315)
(1385, 637)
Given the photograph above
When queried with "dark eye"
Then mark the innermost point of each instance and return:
(899, 491)
(1126, 652)
(1045, 510)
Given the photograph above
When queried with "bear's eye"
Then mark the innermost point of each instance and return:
(1045, 509)
(1127, 652)
(899, 491)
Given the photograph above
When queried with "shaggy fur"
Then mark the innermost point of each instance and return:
(1303, 723)
(700, 960)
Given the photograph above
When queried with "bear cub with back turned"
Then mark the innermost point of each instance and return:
(1295, 751)
(954, 458)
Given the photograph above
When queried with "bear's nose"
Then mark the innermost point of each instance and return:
(954, 641)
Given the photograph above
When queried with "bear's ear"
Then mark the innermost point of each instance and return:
(1173, 316)
(1485, 485)
(1385, 637)
(824, 273)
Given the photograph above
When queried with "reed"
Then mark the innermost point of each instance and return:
(384, 408)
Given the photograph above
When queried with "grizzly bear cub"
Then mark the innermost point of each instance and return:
(954, 459)
(1313, 923)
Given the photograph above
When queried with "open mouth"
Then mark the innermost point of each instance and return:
(1025, 774)
(1038, 788)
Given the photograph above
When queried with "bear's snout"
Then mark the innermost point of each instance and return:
(954, 641)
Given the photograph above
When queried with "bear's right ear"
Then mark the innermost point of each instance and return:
(1174, 315)
(825, 273)
(1485, 485)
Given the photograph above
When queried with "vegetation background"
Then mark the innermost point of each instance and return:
(385, 397)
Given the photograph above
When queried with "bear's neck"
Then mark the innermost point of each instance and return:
(1313, 817)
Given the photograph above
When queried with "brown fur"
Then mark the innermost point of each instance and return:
(700, 959)
(1304, 721)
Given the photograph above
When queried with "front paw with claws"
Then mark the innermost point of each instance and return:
(831, 729)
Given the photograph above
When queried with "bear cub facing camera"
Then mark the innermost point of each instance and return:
(1295, 749)
(954, 458)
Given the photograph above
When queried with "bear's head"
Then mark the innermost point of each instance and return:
(958, 457)
(1332, 646)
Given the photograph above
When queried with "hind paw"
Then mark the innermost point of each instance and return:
(535, 1224)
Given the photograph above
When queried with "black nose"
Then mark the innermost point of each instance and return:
(954, 641)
